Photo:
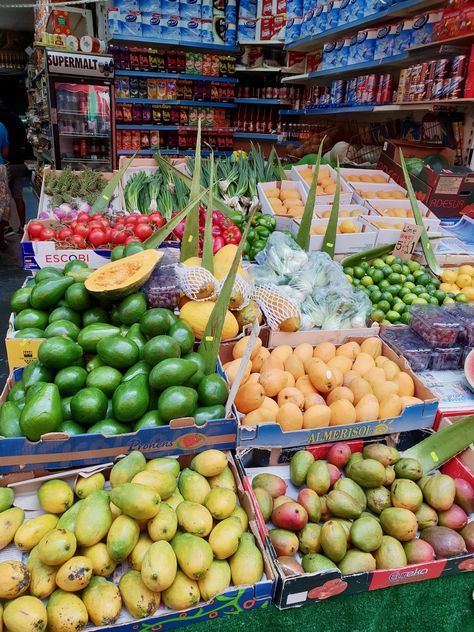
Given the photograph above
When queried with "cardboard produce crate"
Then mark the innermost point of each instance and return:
(283, 221)
(382, 206)
(231, 601)
(346, 193)
(446, 192)
(390, 234)
(346, 243)
(296, 590)
(57, 450)
(270, 433)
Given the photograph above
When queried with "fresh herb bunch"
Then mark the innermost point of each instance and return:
(71, 188)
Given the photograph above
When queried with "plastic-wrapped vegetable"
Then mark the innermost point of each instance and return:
(282, 254)
(363, 306)
(262, 275)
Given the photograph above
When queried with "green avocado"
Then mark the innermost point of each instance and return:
(88, 406)
(30, 332)
(212, 390)
(94, 363)
(171, 372)
(62, 328)
(140, 368)
(66, 408)
(200, 363)
(33, 389)
(73, 265)
(36, 372)
(30, 317)
(17, 392)
(48, 273)
(208, 413)
(46, 294)
(70, 380)
(160, 348)
(130, 400)
(131, 308)
(182, 333)
(42, 414)
(150, 419)
(108, 427)
(21, 299)
(105, 378)
(118, 352)
(176, 402)
(93, 333)
(64, 312)
(78, 298)
(58, 352)
(135, 334)
(71, 428)
(133, 248)
(10, 420)
(156, 321)
(95, 315)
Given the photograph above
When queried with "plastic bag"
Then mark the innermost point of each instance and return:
(282, 254)
(363, 307)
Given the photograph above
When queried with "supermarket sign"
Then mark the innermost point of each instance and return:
(64, 63)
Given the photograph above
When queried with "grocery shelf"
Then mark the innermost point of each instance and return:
(172, 75)
(326, 111)
(401, 9)
(251, 101)
(253, 136)
(262, 43)
(168, 152)
(257, 70)
(163, 128)
(161, 43)
(204, 104)
(351, 69)
(459, 40)
(391, 107)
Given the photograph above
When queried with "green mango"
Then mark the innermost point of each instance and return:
(299, 466)
(57, 546)
(246, 565)
(36, 372)
(86, 485)
(122, 537)
(182, 594)
(93, 519)
(164, 464)
(130, 400)
(7, 496)
(42, 414)
(135, 334)
(42, 576)
(164, 525)
(124, 470)
(93, 333)
(159, 566)
(10, 420)
(224, 538)
(137, 501)
(59, 352)
(46, 294)
(193, 486)
(69, 518)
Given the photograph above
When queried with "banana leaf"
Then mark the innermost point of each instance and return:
(303, 236)
(209, 346)
(425, 242)
(330, 236)
(103, 201)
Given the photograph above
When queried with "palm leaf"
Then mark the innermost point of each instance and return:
(209, 347)
(329, 241)
(425, 242)
(303, 236)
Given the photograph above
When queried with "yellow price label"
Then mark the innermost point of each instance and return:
(434, 456)
(209, 338)
(190, 238)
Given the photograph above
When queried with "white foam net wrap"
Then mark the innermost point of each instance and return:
(276, 306)
(197, 283)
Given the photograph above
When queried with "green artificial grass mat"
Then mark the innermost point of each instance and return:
(438, 605)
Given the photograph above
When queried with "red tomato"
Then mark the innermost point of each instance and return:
(64, 233)
(131, 219)
(47, 234)
(118, 236)
(94, 225)
(79, 241)
(157, 219)
(119, 226)
(143, 231)
(131, 238)
(82, 230)
(72, 224)
(97, 216)
(83, 217)
(108, 234)
(35, 229)
(97, 237)
(143, 219)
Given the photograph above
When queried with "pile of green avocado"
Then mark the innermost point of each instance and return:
(103, 368)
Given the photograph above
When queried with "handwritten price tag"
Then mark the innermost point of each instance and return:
(407, 241)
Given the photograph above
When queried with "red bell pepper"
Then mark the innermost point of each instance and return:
(217, 244)
(216, 231)
(232, 235)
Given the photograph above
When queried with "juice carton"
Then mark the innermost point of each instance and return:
(384, 43)
(402, 38)
(423, 25)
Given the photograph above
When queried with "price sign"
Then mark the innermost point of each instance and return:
(407, 241)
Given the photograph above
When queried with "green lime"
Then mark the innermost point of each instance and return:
(349, 271)
(376, 295)
(406, 318)
(370, 270)
(413, 265)
(436, 282)
(366, 281)
(418, 273)
(386, 270)
(420, 301)
(425, 295)
(377, 276)
(405, 269)
(392, 316)
(399, 307)
(377, 315)
(430, 287)
(424, 279)
(404, 291)
(385, 322)
(387, 296)
(409, 298)
(397, 268)
(433, 300)
(394, 278)
(450, 295)
(440, 296)
(355, 282)
(383, 306)
(409, 284)
(359, 272)
(383, 285)
(378, 263)
(410, 278)
(461, 298)
(348, 277)
(448, 301)
(418, 289)
(389, 259)
(365, 265)
(394, 289)
(403, 278)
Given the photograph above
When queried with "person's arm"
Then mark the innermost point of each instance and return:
(4, 142)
